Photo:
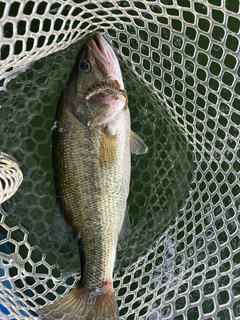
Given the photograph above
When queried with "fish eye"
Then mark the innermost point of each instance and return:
(85, 66)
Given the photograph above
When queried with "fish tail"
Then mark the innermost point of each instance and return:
(78, 304)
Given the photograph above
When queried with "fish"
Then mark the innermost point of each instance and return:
(92, 146)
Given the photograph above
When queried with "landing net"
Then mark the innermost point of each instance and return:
(180, 62)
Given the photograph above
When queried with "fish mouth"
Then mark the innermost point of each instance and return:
(103, 48)
(105, 58)
(107, 87)
(99, 40)
(103, 53)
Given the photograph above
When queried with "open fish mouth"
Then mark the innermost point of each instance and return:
(112, 101)
(108, 86)
(99, 43)
(105, 58)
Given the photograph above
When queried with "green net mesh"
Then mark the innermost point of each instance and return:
(180, 63)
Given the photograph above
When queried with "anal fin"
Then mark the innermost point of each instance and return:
(125, 231)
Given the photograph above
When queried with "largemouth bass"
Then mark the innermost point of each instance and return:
(91, 159)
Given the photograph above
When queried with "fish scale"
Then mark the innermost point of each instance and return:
(80, 158)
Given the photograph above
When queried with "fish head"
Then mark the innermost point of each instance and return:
(95, 85)
(96, 63)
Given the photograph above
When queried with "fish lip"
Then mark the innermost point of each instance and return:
(103, 47)
(105, 58)
(102, 52)
(99, 40)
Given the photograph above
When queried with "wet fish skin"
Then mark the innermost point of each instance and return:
(93, 193)
(91, 158)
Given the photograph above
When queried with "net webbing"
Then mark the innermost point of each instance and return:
(180, 63)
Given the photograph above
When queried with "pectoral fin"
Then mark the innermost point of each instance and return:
(137, 144)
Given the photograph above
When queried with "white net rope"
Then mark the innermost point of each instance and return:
(180, 63)
(10, 177)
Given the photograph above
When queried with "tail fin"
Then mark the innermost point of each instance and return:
(79, 305)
